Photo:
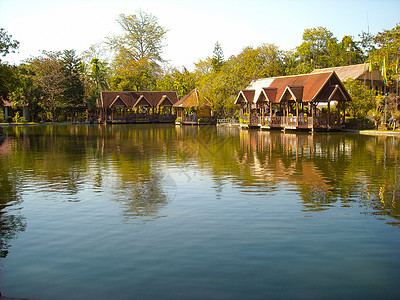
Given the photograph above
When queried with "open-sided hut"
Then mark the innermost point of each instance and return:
(137, 107)
(10, 110)
(295, 102)
(194, 108)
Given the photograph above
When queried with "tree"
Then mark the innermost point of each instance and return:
(388, 46)
(7, 73)
(134, 76)
(50, 78)
(73, 96)
(366, 44)
(95, 79)
(180, 81)
(142, 38)
(8, 79)
(26, 92)
(6, 44)
(218, 57)
(363, 99)
(319, 49)
(349, 52)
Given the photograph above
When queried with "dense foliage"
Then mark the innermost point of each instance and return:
(65, 85)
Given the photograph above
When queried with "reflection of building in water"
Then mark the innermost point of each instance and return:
(314, 163)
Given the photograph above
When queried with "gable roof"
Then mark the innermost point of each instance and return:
(165, 101)
(118, 102)
(305, 88)
(136, 98)
(141, 101)
(246, 96)
(292, 92)
(193, 99)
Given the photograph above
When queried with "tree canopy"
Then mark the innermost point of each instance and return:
(142, 38)
(54, 81)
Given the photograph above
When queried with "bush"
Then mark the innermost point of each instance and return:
(203, 120)
(8, 119)
(16, 117)
(61, 119)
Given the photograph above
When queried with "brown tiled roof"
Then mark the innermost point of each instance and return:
(267, 94)
(305, 88)
(292, 92)
(131, 98)
(311, 84)
(246, 95)
(193, 99)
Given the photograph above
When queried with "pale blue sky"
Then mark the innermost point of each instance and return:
(194, 26)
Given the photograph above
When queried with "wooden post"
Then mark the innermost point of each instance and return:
(270, 114)
(262, 114)
(312, 116)
(329, 114)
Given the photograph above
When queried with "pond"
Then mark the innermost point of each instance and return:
(202, 212)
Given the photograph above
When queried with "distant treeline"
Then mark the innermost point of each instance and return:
(60, 85)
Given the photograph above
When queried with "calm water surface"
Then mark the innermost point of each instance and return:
(165, 212)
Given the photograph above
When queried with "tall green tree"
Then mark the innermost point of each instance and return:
(137, 52)
(74, 89)
(142, 38)
(134, 76)
(319, 49)
(26, 92)
(7, 73)
(388, 46)
(175, 80)
(50, 78)
(363, 99)
(218, 57)
(7, 45)
(349, 52)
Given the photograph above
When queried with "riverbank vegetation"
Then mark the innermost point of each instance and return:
(64, 85)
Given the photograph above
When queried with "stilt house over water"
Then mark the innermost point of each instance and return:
(309, 101)
(137, 107)
(193, 109)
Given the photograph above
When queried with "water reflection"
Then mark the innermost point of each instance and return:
(11, 220)
(136, 166)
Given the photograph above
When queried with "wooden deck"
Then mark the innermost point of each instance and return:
(319, 123)
(140, 119)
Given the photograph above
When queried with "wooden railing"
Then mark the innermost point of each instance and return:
(228, 122)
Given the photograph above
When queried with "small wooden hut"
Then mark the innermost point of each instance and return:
(193, 109)
(137, 107)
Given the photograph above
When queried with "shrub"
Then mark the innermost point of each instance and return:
(203, 120)
(8, 119)
(61, 119)
(16, 117)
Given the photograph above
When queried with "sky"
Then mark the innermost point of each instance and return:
(193, 26)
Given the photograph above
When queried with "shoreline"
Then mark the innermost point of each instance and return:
(362, 132)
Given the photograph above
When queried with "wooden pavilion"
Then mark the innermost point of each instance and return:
(193, 109)
(137, 107)
(309, 101)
